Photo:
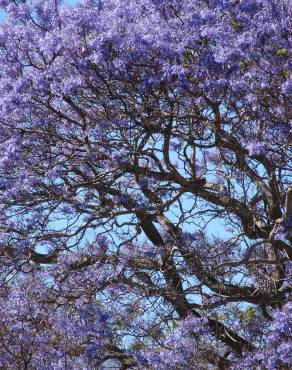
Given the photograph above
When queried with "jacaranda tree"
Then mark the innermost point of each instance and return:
(145, 205)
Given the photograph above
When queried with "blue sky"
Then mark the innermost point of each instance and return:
(71, 2)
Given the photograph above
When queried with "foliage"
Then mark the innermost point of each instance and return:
(146, 211)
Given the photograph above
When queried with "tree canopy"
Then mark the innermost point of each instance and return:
(145, 197)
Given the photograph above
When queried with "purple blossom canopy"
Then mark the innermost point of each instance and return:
(145, 184)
